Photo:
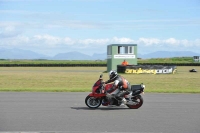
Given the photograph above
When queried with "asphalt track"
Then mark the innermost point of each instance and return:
(67, 112)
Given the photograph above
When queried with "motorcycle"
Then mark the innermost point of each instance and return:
(98, 96)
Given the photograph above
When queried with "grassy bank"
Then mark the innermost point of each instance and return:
(81, 79)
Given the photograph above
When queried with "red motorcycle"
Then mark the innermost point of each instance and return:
(98, 96)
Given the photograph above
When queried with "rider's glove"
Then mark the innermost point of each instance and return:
(120, 88)
(105, 82)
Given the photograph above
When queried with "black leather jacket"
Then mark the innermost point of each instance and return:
(119, 82)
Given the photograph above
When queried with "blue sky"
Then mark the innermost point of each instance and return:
(88, 26)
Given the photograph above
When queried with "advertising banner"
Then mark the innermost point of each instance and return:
(148, 69)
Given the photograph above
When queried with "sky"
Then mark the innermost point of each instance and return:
(50, 27)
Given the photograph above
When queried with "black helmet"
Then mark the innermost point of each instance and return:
(113, 74)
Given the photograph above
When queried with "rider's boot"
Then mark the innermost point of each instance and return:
(124, 101)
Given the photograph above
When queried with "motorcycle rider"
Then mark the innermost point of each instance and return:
(119, 83)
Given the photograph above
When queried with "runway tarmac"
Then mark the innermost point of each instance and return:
(67, 112)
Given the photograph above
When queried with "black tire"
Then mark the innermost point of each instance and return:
(139, 103)
(93, 102)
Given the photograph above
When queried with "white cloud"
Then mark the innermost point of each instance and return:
(54, 44)
(9, 31)
(148, 41)
(68, 41)
(47, 40)
(94, 41)
(197, 42)
(122, 40)
(172, 41)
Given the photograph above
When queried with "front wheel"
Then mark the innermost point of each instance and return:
(93, 102)
(138, 101)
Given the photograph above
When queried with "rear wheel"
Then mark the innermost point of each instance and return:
(93, 102)
(138, 100)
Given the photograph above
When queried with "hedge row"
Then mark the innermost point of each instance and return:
(53, 65)
(92, 65)
(171, 64)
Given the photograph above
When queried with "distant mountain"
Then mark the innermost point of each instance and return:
(72, 56)
(169, 54)
(102, 56)
(27, 54)
(20, 54)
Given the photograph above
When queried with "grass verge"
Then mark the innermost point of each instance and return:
(81, 79)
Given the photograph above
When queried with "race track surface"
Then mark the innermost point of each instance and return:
(67, 112)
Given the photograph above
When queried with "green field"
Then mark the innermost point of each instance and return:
(81, 79)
